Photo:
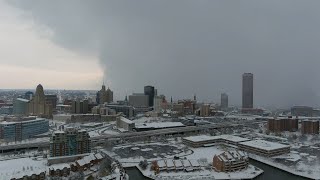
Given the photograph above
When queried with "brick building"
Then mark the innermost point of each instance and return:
(310, 127)
(230, 161)
(279, 125)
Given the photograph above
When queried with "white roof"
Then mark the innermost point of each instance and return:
(233, 138)
(194, 163)
(178, 163)
(99, 156)
(186, 163)
(208, 138)
(21, 99)
(160, 125)
(266, 145)
(161, 164)
(170, 163)
(126, 120)
(201, 138)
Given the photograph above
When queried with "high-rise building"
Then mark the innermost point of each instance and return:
(149, 90)
(39, 105)
(69, 142)
(224, 101)
(80, 107)
(104, 96)
(247, 90)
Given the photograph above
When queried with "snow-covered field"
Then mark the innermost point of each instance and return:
(131, 154)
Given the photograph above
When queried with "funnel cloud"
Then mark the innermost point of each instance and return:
(185, 46)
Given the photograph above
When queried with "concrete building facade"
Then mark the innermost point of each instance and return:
(80, 107)
(20, 106)
(139, 100)
(247, 90)
(69, 142)
(224, 101)
(39, 105)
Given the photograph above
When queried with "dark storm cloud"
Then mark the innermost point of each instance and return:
(201, 46)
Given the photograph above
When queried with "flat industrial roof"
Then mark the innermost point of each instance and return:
(208, 138)
(266, 145)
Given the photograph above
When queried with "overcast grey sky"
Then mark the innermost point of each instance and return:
(188, 46)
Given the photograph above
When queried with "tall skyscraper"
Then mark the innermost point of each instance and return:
(224, 101)
(149, 90)
(247, 90)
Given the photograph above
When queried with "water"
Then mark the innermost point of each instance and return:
(270, 173)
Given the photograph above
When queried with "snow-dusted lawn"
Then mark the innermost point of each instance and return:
(249, 173)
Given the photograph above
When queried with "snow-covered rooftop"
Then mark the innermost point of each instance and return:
(201, 138)
(266, 145)
(159, 125)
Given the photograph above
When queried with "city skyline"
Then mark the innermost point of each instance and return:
(188, 50)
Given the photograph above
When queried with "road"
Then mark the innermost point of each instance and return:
(99, 140)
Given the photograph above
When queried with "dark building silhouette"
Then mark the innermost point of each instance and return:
(224, 101)
(149, 90)
(247, 90)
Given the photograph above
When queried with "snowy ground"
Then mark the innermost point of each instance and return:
(204, 174)
(131, 154)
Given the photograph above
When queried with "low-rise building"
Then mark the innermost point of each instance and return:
(20, 106)
(204, 140)
(124, 124)
(230, 161)
(264, 148)
(23, 128)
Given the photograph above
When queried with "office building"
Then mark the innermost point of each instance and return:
(52, 99)
(23, 128)
(224, 101)
(39, 105)
(139, 100)
(69, 142)
(126, 110)
(205, 140)
(80, 107)
(264, 148)
(188, 106)
(230, 161)
(247, 90)
(124, 124)
(104, 96)
(149, 91)
(20, 106)
(205, 110)
(310, 127)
